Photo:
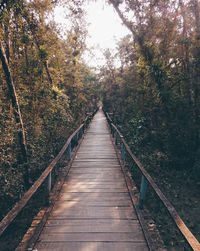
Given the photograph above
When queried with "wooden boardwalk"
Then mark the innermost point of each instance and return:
(94, 209)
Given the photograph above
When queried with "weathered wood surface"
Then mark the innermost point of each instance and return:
(94, 210)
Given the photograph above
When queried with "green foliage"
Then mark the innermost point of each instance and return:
(50, 111)
(43, 53)
(157, 81)
(138, 134)
(25, 39)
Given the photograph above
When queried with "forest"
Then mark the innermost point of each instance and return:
(152, 95)
(46, 91)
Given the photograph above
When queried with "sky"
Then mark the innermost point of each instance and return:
(105, 29)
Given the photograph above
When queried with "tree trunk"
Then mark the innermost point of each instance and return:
(197, 18)
(30, 24)
(6, 29)
(139, 39)
(197, 60)
(185, 54)
(16, 111)
(48, 72)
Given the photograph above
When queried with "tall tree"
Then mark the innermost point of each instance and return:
(16, 111)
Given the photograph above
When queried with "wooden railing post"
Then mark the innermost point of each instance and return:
(77, 138)
(69, 151)
(123, 152)
(81, 132)
(113, 133)
(49, 182)
(83, 128)
(143, 189)
(86, 123)
(116, 138)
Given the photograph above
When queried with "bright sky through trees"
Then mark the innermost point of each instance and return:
(105, 29)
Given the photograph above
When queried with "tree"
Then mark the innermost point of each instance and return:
(44, 73)
(5, 58)
(160, 81)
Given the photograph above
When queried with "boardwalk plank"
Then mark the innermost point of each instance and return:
(96, 190)
(106, 236)
(94, 170)
(92, 246)
(97, 203)
(94, 185)
(65, 211)
(94, 196)
(95, 165)
(92, 225)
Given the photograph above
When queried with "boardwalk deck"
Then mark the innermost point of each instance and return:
(94, 210)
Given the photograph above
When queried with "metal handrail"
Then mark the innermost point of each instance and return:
(147, 179)
(11, 215)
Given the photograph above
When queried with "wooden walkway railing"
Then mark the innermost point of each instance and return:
(46, 176)
(146, 180)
